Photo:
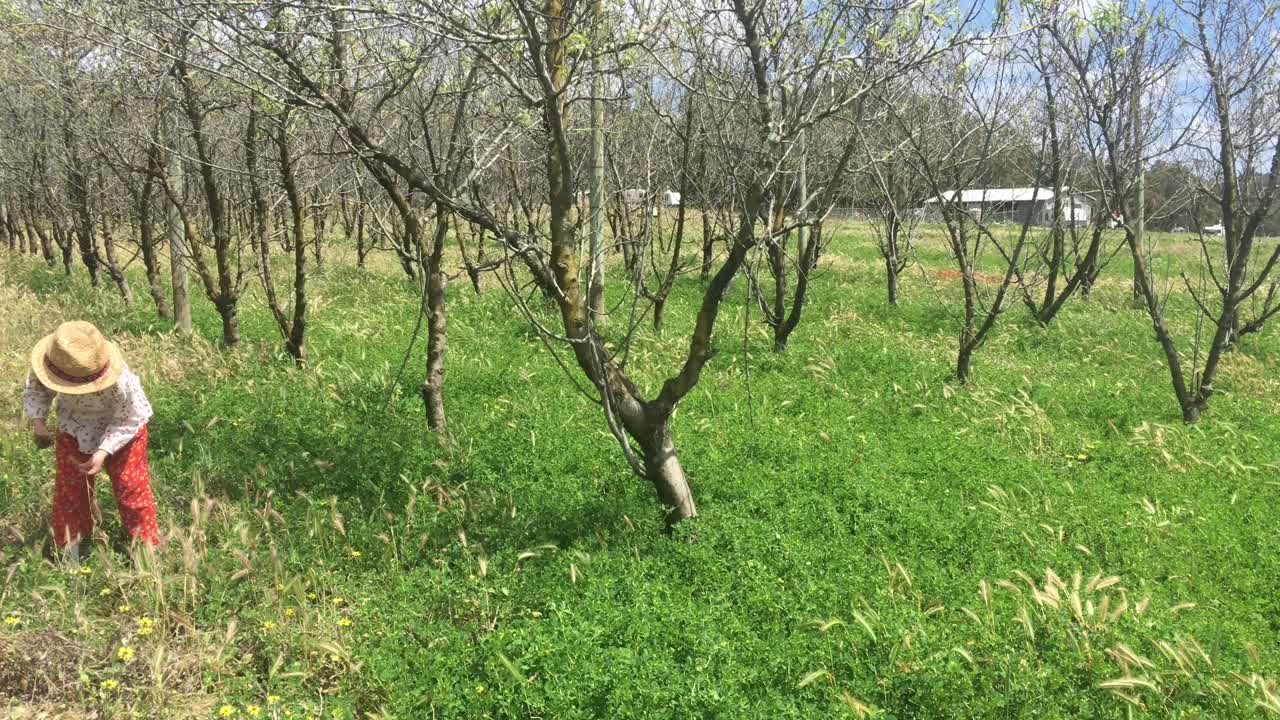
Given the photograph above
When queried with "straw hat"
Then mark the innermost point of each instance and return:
(76, 359)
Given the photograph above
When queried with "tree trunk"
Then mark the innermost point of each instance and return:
(178, 250)
(230, 322)
(15, 231)
(295, 342)
(318, 221)
(595, 289)
(432, 387)
(293, 330)
(67, 247)
(360, 247)
(9, 239)
(114, 269)
(147, 243)
(708, 244)
(963, 362)
(663, 468)
(892, 265)
(891, 277)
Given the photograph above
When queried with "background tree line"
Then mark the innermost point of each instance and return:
(528, 147)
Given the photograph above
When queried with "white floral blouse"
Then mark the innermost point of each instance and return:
(104, 420)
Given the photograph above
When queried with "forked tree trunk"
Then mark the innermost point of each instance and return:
(83, 232)
(293, 330)
(66, 246)
(147, 243)
(114, 270)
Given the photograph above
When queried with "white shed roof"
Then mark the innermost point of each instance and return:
(999, 195)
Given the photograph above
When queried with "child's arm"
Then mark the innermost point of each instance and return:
(129, 418)
(36, 400)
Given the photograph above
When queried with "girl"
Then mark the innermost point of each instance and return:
(102, 421)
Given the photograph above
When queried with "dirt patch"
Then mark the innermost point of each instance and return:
(39, 667)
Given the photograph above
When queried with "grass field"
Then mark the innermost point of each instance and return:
(875, 541)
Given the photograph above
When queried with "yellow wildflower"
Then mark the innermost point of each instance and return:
(84, 570)
(253, 710)
(12, 620)
(145, 626)
(125, 653)
(273, 699)
(479, 689)
(124, 608)
(355, 554)
(338, 601)
(104, 592)
(311, 596)
(227, 711)
(110, 684)
(288, 612)
(268, 625)
(344, 622)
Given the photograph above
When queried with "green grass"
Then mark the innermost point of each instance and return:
(871, 534)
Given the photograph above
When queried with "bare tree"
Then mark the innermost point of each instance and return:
(1235, 45)
(223, 283)
(894, 193)
(968, 120)
(292, 325)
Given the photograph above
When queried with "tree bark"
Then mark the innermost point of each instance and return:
(293, 330)
(708, 244)
(114, 270)
(230, 322)
(319, 220)
(964, 361)
(663, 467)
(595, 291)
(7, 237)
(147, 243)
(225, 290)
(177, 248)
(65, 244)
(432, 387)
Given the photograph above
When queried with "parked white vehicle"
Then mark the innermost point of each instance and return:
(1213, 230)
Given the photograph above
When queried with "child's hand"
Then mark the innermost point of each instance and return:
(42, 435)
(93, 465)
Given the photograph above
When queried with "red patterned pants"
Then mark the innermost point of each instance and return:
(130, 479)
